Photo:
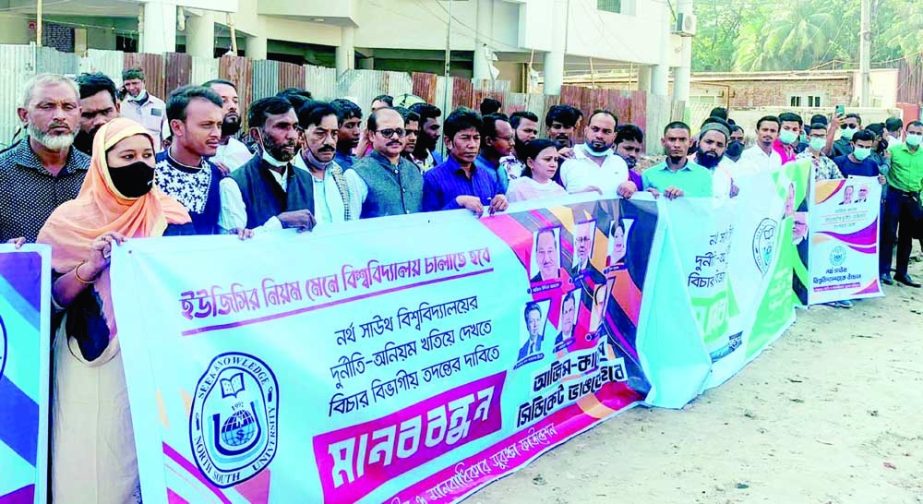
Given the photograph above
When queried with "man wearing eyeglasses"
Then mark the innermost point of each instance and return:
(459, 182)
(388, 183)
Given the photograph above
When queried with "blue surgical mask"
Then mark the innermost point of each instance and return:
(848, 133)
(818, 143)
(913, 139)
(788, 137)
(862, 153)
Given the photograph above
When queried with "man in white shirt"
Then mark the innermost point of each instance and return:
(762, 157)
(336, 195)
(232, 153)
(595, 166)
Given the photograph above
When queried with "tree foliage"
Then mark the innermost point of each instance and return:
(748, 35)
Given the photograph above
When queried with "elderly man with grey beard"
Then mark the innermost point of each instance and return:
(43, 170)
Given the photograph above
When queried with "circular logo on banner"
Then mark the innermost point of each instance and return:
(764, 243)
(233, 424)
(2, 347)
(838, 255)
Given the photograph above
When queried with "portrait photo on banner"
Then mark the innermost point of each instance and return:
(546, 257)
(535, 318)
(567, 321)
(584, 237)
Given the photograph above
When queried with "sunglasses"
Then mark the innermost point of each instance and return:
(390, 132)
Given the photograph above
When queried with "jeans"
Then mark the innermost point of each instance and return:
(898, 225)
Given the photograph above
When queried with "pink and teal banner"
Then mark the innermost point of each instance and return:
(24, 361)
(404, 360)
(417, 359)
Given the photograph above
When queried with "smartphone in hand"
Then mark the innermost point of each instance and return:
(840, 110)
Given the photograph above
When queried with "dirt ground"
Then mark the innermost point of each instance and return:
(831, 413)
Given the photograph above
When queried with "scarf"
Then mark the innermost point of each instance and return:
(99, 208)
(334, 170)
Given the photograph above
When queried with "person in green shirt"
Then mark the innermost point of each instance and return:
(902, 206)
(678, 176)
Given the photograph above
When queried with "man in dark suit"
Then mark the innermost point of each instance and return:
(547, 256)
(568, 321)
(534, 323)
(583, 247)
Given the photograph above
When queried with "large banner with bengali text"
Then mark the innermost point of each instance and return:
(24, 373)
(844, 229)
(399, 360)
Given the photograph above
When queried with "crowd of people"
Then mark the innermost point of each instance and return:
(98, 165)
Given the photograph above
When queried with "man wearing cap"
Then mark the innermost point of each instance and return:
(141, 106)
(709, 153)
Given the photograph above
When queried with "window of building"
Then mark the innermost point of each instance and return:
(795, 101)
(814, 101)
(609, 5)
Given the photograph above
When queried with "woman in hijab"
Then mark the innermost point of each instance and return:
(93, 448)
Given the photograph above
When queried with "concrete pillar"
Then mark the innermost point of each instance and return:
(683, 73)
(367, 63)
(159, 27)
(257, 47)
(481, 63)
(200, 35)
(554, 59)
(660, 73)
(346, 51)
(644, 78)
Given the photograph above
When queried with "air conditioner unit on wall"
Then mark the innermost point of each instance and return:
(685, 25)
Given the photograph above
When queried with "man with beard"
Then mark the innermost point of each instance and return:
(458, 182)
(335, 196)
(678, 176)
(762, 157)
(268, 192)
(561, 121)
(709, 154)
(629, 144)
(43, 170)
(594, 165)
(525, 129)
(736, 146)
(496, 144)
(232, 153)
(183, 170)
(141, 106)
(349, 116)
(388, 184)
(98, 105)
(425, 155)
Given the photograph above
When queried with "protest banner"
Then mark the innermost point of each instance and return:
(395, 360)
(24, 373)
(843, 234)
(734, 261)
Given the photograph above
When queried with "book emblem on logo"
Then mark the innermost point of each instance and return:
(233, 426)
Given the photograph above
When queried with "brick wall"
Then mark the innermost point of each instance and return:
(765, 93)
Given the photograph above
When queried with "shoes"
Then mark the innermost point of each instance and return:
(841, 304)
(906, 280)
(886, 279)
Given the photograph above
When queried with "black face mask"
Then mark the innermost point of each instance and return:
(134, 180)
(735, 149)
